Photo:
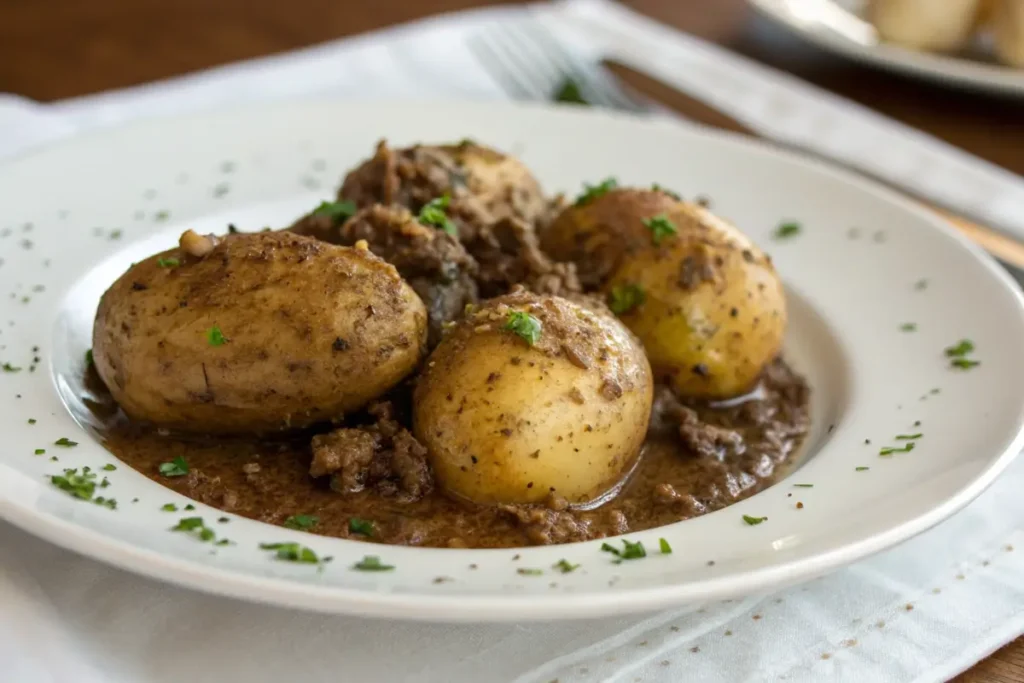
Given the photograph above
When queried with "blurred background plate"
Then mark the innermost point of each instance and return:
(836, 26)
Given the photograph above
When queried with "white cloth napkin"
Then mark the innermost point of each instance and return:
(921, 612)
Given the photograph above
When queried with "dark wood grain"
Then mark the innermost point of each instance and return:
(52, 49)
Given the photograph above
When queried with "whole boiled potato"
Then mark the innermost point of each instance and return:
(603, 226)
(531, 396)
(255, 332)
(706, 303)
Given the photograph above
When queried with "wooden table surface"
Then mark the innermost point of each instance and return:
(51, 49)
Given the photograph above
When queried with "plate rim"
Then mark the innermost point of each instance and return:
(514, 606)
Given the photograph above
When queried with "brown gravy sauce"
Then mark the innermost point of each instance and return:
(698, 458)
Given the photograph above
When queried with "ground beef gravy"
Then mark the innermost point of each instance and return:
(698, 458)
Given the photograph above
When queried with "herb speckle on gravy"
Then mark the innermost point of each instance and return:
(364, 472)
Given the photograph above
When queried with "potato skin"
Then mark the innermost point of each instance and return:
(599, 234)
(312, 331)
(714, 310)
(506, 422)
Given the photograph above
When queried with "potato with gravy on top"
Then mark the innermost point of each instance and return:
(533, 396)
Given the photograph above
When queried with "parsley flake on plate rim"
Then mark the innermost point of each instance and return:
(786, 230)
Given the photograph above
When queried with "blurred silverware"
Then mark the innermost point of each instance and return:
(528, 63)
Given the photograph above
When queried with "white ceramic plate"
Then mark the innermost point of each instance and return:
(77, 214)
(835, 25)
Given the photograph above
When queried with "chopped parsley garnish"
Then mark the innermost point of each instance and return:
(433, 214)
(215, 337)
(787, 230)
(360, 526)
(81, 486)
(109, 468)
(525, 325)
(372, 563)
(908, 327)
(889, 450)
(962, 348)
(40, 451)
(660, 227)
(88, 358)
(624, 298)
(301, 522)
(804, 486)
(169, 507)
(665, 548)
(31, 420)
(223, 542)
(169, 262)
(664, 190)
(861, 469)
(569, 93)
(190, 507)
(754, 521)
(175, 468)
(196, 527)
(161, 215)
(630, 551)
(526, 571)
(10, 368)
(908, 437)
(957, 355)
(223, 520)
(592, 192)
(339, 212)
(565, 566)
(65, 442)
(293, 552)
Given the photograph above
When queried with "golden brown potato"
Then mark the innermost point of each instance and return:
(484, 185)
(531, 396)
(706, 303)
(264, 331)
(933, 25)
(1008, 29)
(601, 229)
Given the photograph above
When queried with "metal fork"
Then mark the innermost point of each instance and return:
(529, 63)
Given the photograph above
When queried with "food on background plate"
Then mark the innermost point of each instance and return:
(951, 25)
(444, 356)
(1008, 31)
(931, 25)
